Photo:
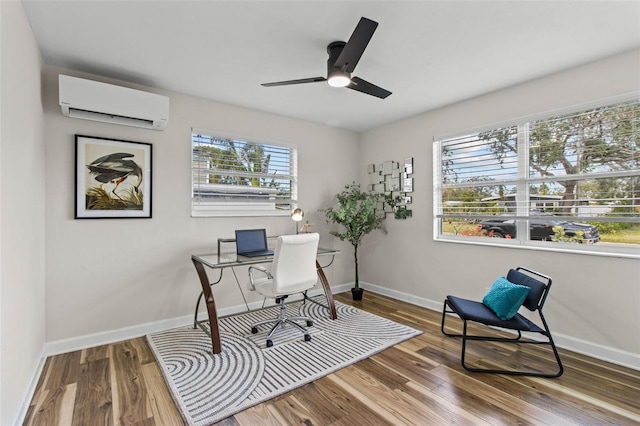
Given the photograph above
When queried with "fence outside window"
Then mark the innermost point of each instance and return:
(234, 176)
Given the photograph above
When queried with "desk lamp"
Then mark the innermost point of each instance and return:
(297, 216)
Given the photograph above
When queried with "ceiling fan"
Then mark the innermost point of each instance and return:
(343, 58)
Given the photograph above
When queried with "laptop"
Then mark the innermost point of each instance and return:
(252, 243)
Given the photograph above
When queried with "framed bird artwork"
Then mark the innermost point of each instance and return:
(113, 178)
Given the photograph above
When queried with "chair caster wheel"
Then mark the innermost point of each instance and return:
(307, 338)
(254, 330)
(309, 323)
(269, 343)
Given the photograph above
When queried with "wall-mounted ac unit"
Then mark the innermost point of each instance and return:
(92, 100)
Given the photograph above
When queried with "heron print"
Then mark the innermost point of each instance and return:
(113, 170)
(114, 176)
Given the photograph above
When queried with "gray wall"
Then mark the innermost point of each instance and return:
(113, 274)
(22, 205)
(594, 302)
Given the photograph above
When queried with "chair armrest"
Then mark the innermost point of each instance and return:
(258, 268)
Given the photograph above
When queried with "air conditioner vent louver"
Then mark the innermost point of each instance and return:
(92, 100)
(112, 118)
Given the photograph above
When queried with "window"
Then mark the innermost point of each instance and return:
(239, 177)
(550, 182)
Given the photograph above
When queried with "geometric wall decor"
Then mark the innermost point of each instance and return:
(395, 181)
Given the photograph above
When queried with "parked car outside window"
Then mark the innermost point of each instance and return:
(542, 230)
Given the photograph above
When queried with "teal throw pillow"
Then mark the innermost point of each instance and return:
(505, 298)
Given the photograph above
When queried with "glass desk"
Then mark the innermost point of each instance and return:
(222, 261)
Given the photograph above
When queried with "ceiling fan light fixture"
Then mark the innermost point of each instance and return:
(339, 78)
(343, 58)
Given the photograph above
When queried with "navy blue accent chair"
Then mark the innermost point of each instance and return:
(476, 312)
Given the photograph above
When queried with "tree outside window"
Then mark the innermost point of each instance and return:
(574, 168)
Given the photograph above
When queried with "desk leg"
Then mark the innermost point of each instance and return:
(327, 290)
(211, 307)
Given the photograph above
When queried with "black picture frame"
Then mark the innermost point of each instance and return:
(112, 178)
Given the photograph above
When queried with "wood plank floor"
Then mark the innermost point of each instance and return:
(418, 382)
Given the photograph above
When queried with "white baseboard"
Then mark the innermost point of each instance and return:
(111, 336)
(104, 338)
(341, 288)
(595, 350)
(405, 297)
(31, 390)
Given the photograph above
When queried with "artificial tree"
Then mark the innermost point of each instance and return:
(355, 212)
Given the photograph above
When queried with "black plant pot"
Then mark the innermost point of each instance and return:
(357, 293)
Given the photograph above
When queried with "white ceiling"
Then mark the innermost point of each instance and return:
(428, 53)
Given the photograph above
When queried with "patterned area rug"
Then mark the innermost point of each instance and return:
(208, 388)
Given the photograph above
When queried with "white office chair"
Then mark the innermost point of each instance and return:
(293, 271)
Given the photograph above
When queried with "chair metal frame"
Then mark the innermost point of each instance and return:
(281, 321)
(476, 312)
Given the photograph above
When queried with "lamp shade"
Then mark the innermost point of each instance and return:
(297, 215)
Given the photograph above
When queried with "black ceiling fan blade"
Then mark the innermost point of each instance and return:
(354, 48)
(289, 82)
(364, 86)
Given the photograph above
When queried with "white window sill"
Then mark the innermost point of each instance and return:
(600, 249)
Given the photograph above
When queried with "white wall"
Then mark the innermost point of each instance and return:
(110, 274)
(594, 304)
(22, 201)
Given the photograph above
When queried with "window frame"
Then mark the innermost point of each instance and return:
(522, 216)
(240, 207)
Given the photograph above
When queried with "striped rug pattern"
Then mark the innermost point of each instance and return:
(208, 388)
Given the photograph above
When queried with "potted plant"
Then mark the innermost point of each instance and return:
(355, 213)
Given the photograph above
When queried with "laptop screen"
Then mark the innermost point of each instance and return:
(250, 240)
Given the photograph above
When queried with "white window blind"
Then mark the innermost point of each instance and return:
(232, 176)
(477, 170)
